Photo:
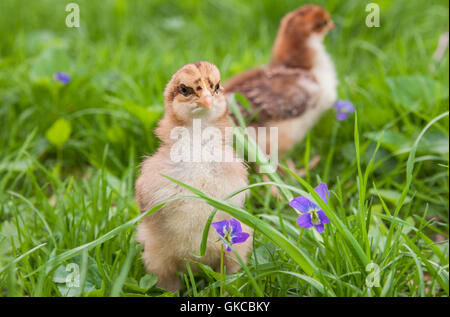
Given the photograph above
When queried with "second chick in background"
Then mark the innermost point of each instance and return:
(298, 85)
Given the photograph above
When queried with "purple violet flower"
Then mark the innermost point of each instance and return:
(311, 215)
(230, 232)
(344, 108)
(63, 78)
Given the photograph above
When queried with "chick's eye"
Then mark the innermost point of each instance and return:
(216, 89)
(321, 24)
(184, 90)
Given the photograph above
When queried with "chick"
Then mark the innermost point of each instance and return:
(299, 84)
(174, 233)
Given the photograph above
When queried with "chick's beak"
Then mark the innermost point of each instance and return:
(206, 100)
(331, 25)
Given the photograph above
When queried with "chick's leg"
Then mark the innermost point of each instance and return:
(158, 259)
(165, 268)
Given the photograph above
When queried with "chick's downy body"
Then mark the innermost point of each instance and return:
(174, 233)
(300, 82)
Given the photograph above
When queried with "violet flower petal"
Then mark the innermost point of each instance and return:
(220, 226)
(240, 237)
(63, 78)
(322, 190)
(341, 116)
(302, 204)
(320, 228)
(235, 226)
(323, 217)
(304, 221)
(344, 106)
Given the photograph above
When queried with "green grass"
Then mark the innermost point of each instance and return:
(386, 167)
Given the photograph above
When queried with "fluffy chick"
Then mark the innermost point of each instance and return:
(174, 233)
(299, 84)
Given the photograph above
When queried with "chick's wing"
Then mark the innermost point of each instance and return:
(275, 93)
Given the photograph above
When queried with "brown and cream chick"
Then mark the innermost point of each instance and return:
(173, 234)
(299, 84)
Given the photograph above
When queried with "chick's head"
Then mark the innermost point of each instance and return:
(306, 21)
(299, 32)
(194, 91)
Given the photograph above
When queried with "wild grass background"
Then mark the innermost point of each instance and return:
(72, 203)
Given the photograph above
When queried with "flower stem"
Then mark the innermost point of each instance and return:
(222, 277)
(300, 236)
